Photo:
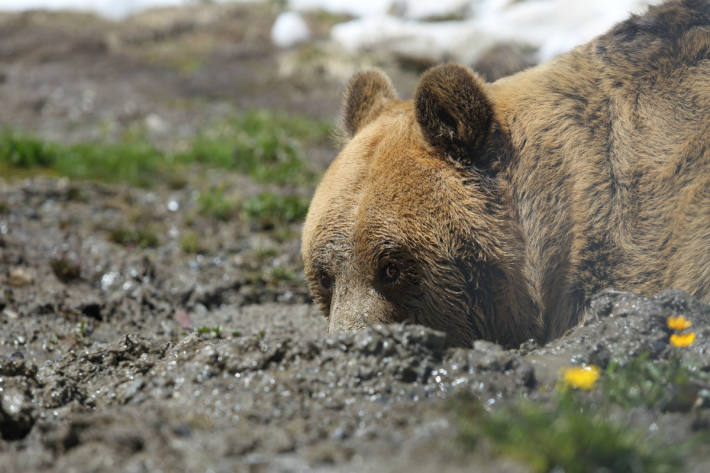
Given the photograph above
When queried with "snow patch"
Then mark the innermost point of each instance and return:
(551, 26)
(289, 29)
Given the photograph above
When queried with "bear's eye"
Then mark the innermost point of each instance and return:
(390, 272)
(325, 281)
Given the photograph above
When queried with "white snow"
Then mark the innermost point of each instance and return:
(553, 26)
(289, 29)
(425, 9)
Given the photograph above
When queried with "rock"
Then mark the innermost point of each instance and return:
(19, 277)
(503, 59)
(16, 414)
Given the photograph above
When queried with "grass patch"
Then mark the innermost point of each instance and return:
(133, 237)
(133, 162)
(268, 208)
(263, 254)
(571, 437)
(190, 243)
(664, 384)
(281, 274)
(216, 203)
(268, 146)
(214, 332)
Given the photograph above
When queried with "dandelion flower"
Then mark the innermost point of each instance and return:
(678, 323)
(581, 377)
(682, 339)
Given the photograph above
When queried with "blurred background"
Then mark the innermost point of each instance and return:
(88, 69)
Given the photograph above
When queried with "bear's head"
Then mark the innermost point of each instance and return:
(410, 222)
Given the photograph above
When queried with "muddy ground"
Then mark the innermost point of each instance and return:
(122, 358)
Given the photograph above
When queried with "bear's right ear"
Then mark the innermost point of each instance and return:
(453, 112)
(366, 93)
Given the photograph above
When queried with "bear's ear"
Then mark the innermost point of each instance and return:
(366, 93)
(453, 111)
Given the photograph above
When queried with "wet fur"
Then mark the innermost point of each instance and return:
(509, 204)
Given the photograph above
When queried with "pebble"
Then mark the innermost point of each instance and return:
(19, 277)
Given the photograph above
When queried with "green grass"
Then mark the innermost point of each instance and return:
(664, 384)
(215, 332)
(190, 242)
(135, 163)
(268, 146)
(570, 436)
(216, 203)
(572, 430)
(268, 208)
(281, 274)
(134, 237)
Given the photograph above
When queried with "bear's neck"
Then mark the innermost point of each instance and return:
(557, 124)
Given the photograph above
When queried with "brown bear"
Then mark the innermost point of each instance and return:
(495, 210)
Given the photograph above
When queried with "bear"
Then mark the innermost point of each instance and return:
(496, 210)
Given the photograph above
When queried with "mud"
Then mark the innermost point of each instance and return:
(122, 358)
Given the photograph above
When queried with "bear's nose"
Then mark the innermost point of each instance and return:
(355, 307)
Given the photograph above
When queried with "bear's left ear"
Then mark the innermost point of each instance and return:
(367, 92)
(453, 112)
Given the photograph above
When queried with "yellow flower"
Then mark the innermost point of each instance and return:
(581, 377)
(678, 323)
(682, 339)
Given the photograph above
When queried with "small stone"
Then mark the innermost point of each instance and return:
(16, 415)
(19, 277)
(525, 375)
(65, 269)
(156, 124)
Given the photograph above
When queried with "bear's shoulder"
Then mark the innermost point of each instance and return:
(673, 33)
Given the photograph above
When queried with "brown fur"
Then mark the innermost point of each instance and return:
(503, 207)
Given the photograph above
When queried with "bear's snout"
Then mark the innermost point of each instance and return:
(355, 306)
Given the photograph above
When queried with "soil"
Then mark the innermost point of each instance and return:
(122, 358)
